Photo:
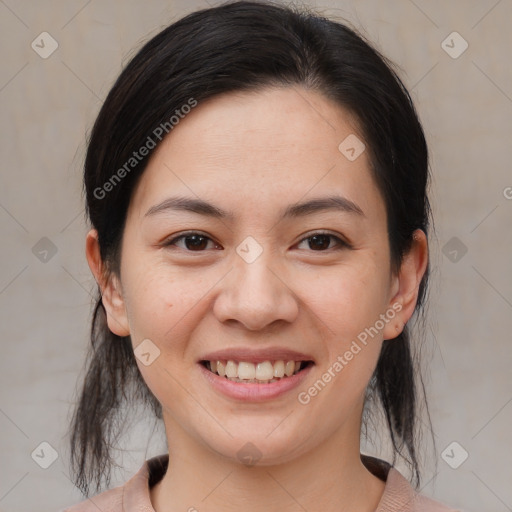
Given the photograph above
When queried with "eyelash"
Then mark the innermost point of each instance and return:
(342, 244)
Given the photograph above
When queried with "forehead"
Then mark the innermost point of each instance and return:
(258, 150)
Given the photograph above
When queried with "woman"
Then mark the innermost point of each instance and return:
(256, 184)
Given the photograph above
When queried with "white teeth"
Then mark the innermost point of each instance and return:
(246, 371)
(231, 369)
(279, 369)
(289, 368)
(262, 373)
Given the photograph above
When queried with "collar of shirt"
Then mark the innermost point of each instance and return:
(134, 495)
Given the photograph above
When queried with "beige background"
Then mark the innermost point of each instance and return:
(47, 107)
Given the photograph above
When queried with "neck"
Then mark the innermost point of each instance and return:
(330, 478)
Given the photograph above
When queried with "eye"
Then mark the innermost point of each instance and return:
(192, 242)
(320, 242)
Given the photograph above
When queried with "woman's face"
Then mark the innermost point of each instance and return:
(287, 259)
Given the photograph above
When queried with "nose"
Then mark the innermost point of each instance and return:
(255, 295)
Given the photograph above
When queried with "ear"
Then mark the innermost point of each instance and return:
(405, 285)
(111, 293)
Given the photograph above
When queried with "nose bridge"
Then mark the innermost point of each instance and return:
(256, 280)
(254, 294)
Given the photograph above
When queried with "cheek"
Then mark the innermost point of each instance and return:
(158, 300)
(347, 300)
(167, 306)
(349, 303)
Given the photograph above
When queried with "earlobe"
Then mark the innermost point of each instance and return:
(407, 283)
(111, 293)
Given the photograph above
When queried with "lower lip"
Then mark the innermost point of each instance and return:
(251, 391)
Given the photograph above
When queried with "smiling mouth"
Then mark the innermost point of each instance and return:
(264, 372)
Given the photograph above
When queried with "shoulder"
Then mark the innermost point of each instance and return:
(108, 501)
(400, 495)
(134, 495)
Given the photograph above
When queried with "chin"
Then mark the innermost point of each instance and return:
(260, 449)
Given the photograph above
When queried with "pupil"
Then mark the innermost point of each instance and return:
(198, 241)
(316, 238)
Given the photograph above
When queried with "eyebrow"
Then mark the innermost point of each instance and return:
(295, 210)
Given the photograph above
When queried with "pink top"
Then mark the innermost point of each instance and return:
(133, 496)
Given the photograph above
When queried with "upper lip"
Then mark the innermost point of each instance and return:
(256, 356)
